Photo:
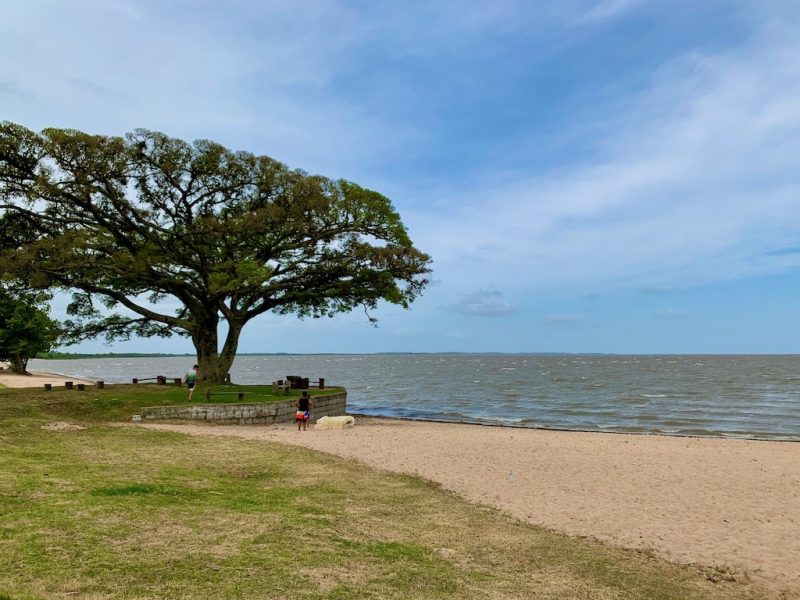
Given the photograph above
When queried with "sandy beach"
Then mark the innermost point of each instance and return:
(715, 502)
(36, 379)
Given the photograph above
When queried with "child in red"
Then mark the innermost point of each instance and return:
(304, 407)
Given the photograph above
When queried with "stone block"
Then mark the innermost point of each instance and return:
(343, 422)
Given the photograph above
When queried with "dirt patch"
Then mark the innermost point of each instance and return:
(61, 426)
(328, 579)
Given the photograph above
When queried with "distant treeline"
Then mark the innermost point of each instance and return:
(71, 355)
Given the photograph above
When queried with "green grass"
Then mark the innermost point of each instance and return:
(123, 512)
(253, 393)
(119, 402)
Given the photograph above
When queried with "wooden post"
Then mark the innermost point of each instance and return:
(322, 383)
(100, 384)
(161, 380)
(48, 387)
(228, 378)
(274, 388)
(241, 396)
(178, 381)
(135, 381)
(68, 385)
(81, 387)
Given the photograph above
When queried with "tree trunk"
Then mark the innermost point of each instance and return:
(18, 364)
(205, 342)
(229, 349)
(213, 364)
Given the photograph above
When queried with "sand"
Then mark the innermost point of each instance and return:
(37, 379)
(733, 503)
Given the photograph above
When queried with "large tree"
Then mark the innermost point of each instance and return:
(136, 223)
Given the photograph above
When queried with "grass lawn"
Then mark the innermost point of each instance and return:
(121, 512)
(120, 402)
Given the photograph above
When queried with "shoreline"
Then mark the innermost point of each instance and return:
(38, 378)
(574, 430)
(729, 503)
(726, 398)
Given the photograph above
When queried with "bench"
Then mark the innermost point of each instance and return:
(208, 393)
(280, 384)
(159, 379)
(304, 383)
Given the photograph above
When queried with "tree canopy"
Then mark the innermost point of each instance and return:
(137, 225)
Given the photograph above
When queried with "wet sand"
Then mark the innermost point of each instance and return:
(716, 502)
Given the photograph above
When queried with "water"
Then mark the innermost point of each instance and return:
(708, 395)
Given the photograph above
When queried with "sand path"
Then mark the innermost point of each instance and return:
(708, 501)
(37, 379)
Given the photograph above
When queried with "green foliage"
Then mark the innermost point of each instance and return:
(129, 223)
(25, 331)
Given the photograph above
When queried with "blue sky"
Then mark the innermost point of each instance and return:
(588, 175)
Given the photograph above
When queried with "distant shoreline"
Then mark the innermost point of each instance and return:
(75, 356)
(69, 355)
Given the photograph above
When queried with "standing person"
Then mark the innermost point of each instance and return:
(190, 379)
(304, 406)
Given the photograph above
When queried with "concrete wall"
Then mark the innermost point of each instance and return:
(251, 413)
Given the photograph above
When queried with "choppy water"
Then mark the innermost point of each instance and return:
(709, 395)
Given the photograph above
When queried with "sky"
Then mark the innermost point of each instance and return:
(588, 175)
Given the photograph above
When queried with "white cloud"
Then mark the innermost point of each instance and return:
(654, 289)
(566, 319)
(255, 77)
(264, 76)
(693, 180)
(670, 313)
(696, 182)
(608, 9)
(485, 303)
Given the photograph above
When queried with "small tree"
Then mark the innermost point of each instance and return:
(137, 222)
(25, 331)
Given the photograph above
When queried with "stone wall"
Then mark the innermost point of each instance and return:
(251, 413)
